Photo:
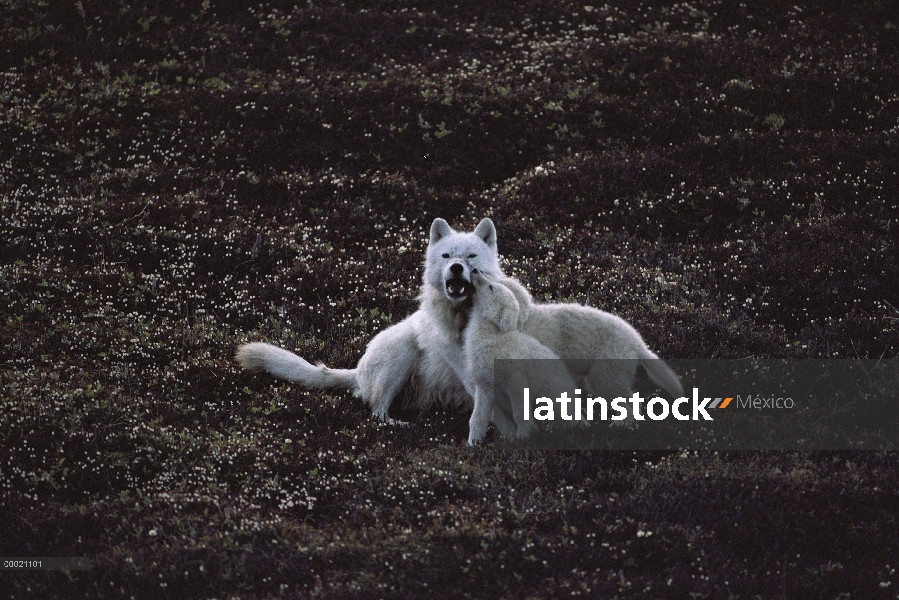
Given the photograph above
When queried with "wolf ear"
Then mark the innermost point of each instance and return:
(439, 230)
(507, 316)
(486, 231)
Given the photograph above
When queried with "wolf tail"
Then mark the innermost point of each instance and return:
(662, 374)
(287, 365)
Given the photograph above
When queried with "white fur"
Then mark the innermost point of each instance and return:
(426, 346)
(492, 334)
(581, 332)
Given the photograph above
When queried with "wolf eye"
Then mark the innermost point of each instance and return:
(472, 256)
(446, 256)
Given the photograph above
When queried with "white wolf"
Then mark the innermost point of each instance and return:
(427, 344)
(492, 333)
(576, 332)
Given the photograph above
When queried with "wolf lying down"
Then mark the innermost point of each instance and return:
(430, 343)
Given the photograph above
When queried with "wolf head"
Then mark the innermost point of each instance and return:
(452, 256)
(494, 302)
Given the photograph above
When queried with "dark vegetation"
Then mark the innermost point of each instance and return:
(179, 177)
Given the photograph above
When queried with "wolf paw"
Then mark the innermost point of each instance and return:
(476, 434)
(381, 415)
(524, 430)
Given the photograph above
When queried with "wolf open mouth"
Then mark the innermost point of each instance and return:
(457, 288)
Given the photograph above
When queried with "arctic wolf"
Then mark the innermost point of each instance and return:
(426, 346)
(581, 332)
(492, 333)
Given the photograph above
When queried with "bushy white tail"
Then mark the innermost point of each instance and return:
(662, 374)
(287, 365)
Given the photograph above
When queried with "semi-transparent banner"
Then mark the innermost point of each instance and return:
(745, 404)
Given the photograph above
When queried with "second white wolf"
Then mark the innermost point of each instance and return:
(493, 334)
(603, 350)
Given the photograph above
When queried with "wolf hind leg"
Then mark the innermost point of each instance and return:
(610, 379)
(385, 367)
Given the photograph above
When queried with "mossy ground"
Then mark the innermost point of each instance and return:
(180, 177)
